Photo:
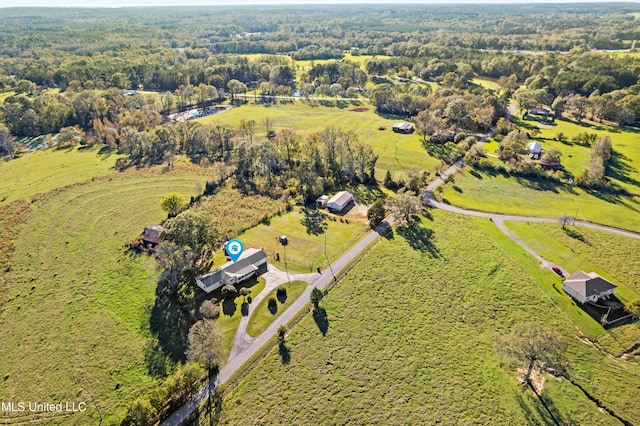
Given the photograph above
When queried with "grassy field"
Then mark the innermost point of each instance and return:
(236, 212)
(76, 316)
(487, 83)
(306, 234)
(43, 171)
(231, 314)
(397, 152)
(261, 317)
(411, 340)
(498, 193)
(624, 166)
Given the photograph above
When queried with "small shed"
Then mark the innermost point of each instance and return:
(151, 235)
(534, 148)
(322, 201)
(589, 287)
(340, 201)
(403, 127)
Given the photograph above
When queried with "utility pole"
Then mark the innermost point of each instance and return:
(325, 255)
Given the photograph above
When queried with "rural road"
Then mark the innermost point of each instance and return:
(234, 363)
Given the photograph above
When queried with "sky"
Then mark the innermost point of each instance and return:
(123, 3)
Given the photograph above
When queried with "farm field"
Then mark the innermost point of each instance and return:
(481, 190)
(411, 339)
(397, 152)
(306, 233)
(43, 171)
(76, 314)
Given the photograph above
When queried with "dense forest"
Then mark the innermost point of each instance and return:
(69, 72)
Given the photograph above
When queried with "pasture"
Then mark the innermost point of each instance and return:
(397, 152)
(488, 191)
(42, 171)
(77, 302)
(411, 340)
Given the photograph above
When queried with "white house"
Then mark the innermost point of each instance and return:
(534, 148)
(589, 287)
(340, 201)
(252, 262)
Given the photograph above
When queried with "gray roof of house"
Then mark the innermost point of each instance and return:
(587, 285)
(211, 278)
(244, 265)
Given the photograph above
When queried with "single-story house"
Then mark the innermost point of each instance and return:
(589, 287)
(340, 201)
(534, 148)
(321, 202)
(403, 127)
(252, 262)
(151, 235)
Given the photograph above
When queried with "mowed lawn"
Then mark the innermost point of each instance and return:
(77, 304)
(43, 171)
(306, 234)
(397, 152)
(411, 340)
(522, 196)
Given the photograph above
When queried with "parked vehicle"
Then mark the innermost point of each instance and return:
(557, 270)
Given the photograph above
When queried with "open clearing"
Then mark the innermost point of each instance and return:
(43, 171)
(411, 338)
(397, 152)
(77, 304)
(523, 196)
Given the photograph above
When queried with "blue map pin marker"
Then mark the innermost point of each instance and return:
(234, 249)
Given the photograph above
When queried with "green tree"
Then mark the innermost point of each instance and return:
(376, 213)
(191, 228)
(229, 291)
(244, 292)
(173, 203)
(236, 87)
(534, 348)
(405, 205)
(209, 309)
(139, 413)
(205, 343)
(316, 296)
(551, 156)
